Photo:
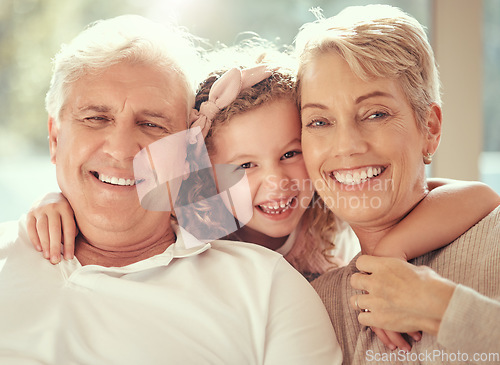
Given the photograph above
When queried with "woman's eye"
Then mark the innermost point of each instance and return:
(290, 154)
(377, 115)
(317, 123)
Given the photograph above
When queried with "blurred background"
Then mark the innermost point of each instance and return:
(465, 36)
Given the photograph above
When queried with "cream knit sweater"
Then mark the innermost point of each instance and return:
(470, 329)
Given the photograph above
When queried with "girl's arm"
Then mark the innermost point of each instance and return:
(49, 220)
(450, 209)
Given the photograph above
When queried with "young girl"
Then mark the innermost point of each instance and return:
(250, 119)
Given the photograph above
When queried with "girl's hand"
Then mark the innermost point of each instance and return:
(48, 221)
(394, 340)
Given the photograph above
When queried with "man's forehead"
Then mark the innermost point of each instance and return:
(169, 104)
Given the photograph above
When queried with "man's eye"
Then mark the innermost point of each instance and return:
(153, 128)
(151, 125)
(96, 119)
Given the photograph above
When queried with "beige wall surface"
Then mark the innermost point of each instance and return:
(457, 42)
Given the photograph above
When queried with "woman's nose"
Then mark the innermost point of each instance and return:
(348, 140)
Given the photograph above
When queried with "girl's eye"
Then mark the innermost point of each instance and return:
(246, 165)
(290, 154)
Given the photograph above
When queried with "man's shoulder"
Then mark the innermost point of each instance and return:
(11, 231)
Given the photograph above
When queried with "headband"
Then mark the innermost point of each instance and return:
(223, 92)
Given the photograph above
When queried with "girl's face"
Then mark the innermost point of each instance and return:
(265, 143)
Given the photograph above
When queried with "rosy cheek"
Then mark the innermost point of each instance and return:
(254, 186)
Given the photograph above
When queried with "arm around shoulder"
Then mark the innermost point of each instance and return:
(299, 330)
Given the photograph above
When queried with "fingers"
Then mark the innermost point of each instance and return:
(370, 264)
(391, 339)
(359, 303)
(361, 281)
(54, 238)
(417, 336)
(69, 233)
(366, 263)
(397, 339)
(44, 231)
(381, 334)
(32, 232)
(47, 223)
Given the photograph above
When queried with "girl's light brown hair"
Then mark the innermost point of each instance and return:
(318, 223)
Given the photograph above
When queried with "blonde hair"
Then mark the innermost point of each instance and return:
(376, 41)
(318, 223)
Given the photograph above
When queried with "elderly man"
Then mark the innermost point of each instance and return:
(139, 292)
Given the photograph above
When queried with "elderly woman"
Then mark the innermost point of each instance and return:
(371, 120)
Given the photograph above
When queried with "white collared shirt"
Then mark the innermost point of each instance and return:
(212, 303)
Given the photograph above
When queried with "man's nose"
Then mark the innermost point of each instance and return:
(122, 142)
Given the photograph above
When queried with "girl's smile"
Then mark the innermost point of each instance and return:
(265, 142)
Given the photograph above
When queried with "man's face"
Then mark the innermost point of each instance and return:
(106, 120)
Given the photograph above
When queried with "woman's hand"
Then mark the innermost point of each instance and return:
(48, 221)
(399, 296)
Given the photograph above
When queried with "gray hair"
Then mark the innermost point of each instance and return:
(126, 38)
(376, 41)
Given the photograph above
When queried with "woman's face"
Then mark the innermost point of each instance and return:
(362, 147)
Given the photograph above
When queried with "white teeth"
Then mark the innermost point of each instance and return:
(369, 173)
(116, 181)
(276, 208)
(357, 177)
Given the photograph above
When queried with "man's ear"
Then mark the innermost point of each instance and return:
(433, 126)
(53, 131)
